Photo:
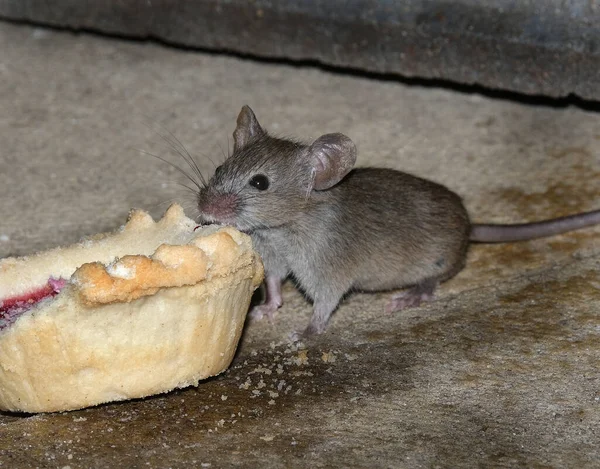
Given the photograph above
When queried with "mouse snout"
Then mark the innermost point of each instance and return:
(220, 208)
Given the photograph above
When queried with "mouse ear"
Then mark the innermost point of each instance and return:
(247, 128)
(332, 157)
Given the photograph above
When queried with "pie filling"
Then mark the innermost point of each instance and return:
(11, 308)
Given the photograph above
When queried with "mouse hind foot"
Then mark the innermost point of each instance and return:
(412, 297)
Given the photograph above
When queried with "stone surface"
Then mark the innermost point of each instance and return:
(543, 48)
(501, 370)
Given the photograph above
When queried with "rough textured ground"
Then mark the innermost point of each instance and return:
(500, 370)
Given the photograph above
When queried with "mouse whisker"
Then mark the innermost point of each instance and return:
(204, 155)
(180, 149)
(225, 156)
(185, 186)
(175, 144)
(177, 167)
(170, 202)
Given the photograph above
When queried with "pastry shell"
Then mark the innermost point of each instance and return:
(152, 307)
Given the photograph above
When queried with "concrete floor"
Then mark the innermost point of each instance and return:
(501, 370)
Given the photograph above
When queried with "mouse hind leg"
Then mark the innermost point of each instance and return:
(422, 291)
(414, 296)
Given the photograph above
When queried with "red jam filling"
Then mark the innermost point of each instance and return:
(11, 308)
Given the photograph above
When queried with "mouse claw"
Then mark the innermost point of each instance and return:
(407, 299)
(261, 311)
(307, 333)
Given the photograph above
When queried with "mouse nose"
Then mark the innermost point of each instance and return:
(219, 207)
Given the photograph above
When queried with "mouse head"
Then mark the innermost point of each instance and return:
(267, 181)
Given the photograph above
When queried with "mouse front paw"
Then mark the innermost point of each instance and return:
(267, 310)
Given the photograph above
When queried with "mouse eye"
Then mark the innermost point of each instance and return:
(260, 181)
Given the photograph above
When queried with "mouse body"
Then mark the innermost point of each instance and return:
(379, 230)
(335, 229)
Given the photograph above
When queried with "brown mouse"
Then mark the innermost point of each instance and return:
(335, 229)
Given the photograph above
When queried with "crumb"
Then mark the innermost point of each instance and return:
(262, 369)
(301, 358)
(328, 357)
(267, 437)
(223, 397)
(303, 373)
(246, 384)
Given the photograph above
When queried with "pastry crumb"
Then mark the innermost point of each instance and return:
(301, 358)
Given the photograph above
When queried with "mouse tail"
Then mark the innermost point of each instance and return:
(526, 231)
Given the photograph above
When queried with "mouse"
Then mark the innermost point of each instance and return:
(335, 229)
